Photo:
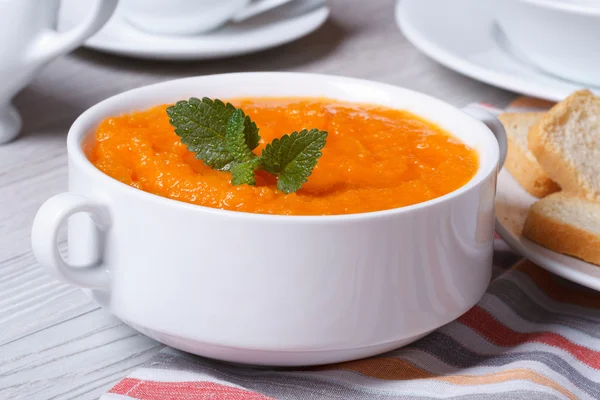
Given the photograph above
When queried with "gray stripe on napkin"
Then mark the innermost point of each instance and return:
(511, 295)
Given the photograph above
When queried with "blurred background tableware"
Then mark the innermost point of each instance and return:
(188, 17)
(558, 36)
(278, 26)
(464, 36)
(28, 41)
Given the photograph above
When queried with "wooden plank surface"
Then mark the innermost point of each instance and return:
(54, 342)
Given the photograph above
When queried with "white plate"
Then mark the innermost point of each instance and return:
(462, 35)
(280, 26)
(512, 203)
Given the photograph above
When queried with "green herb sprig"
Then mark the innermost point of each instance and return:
(224, 138)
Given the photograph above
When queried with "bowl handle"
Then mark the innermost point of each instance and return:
(53, 213)
(494, 125)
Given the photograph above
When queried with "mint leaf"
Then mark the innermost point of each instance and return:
(224, 137)
(245, 161)
(251, 133)
(235, 141)
(202, 127)
(243, 173)
(293, 158)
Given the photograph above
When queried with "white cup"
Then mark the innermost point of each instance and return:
(188, 17)
(28, 41)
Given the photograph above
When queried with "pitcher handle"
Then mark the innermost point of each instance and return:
(51, 44)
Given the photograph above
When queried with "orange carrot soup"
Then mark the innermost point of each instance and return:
(375, 158)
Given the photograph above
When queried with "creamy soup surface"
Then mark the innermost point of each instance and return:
(375, 159)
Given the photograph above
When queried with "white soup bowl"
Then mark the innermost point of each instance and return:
(272, 289)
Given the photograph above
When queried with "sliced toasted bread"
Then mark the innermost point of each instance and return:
(520, 162)
(566, 143)
(566, 224)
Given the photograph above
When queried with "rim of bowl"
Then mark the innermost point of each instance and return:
(576, 8)
(78, 132)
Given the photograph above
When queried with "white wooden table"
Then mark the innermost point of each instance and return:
(54, 342)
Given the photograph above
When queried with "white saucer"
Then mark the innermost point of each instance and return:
(280, 26)
(512, 203)
(462, 35)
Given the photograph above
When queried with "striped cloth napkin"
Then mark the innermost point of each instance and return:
(532, 336)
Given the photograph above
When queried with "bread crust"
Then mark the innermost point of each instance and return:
(530, 102)
(548, 154)
(528, 173)
(525, 170)
(562, 237)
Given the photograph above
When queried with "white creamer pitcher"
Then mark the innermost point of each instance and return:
(28, 40)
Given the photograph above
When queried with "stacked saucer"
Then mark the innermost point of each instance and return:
(253, 27)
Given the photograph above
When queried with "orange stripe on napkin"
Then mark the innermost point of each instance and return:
(392, 369)
(399, 370)
(522, 374)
